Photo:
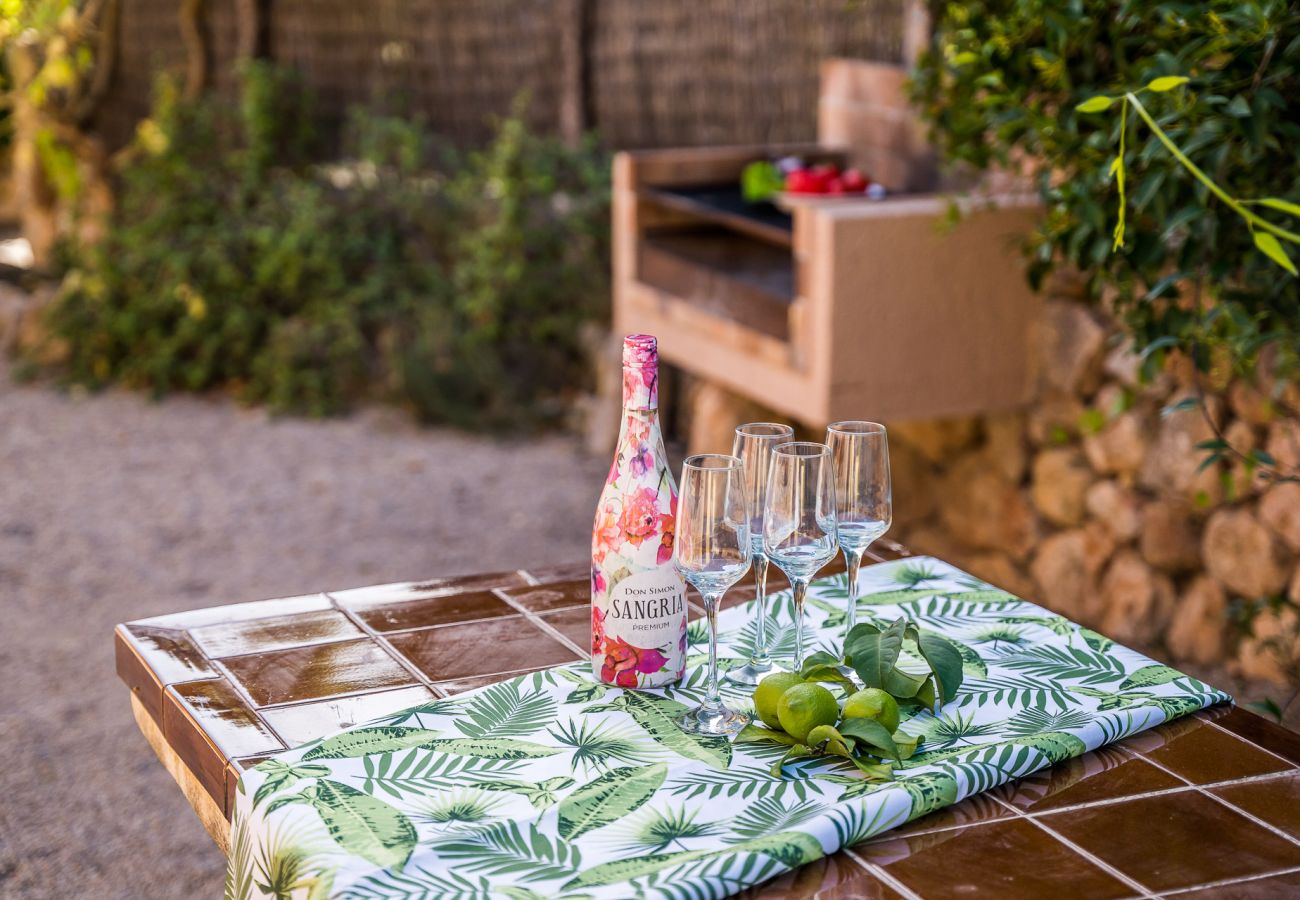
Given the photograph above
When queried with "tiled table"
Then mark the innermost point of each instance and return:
(1207, 806)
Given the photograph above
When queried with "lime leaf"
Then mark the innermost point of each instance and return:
(1166, 83)
(1099, 103)
(752, 734)
(1269, 246)
(945, 661)
(871, 733)
(798, 751)
(874, 652)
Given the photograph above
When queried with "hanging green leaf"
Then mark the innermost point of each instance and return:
(1099, 103)
(1166, 83)
(945, 661)
(1291, 209)
(1272, 248)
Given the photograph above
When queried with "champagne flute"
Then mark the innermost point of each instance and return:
(712, 551)
(799, 531)
(753, 447)
(863, 497)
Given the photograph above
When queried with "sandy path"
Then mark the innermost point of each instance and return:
(113, 507)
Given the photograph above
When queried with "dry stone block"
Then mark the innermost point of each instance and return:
(913, 482)
(1283, 445)
(715, 413)
(1071, 347)
(1052, 418)
(998, 570)
(1120, 447)
(1170, 538)
(1243, 555)
(1172, 466)
(938, 440)
(1199, 630)
(984, 511)
(1136, 601)
(1004, 445)
(1242, 438)
(1116, 507)
(1293, 592)
(1273, 649)
(1061, 479)
(1279, 509)
(1065, 570)
(1250, 405)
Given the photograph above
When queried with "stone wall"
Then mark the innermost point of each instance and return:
(1095, 504)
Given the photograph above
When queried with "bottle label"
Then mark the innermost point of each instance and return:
(641, 631)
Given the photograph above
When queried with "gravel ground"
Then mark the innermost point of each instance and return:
(113, 507)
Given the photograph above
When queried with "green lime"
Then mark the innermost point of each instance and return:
(873, 703)
(768, 694)
(804, 707)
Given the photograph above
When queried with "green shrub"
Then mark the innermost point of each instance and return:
(1002, 83)
(235, 261)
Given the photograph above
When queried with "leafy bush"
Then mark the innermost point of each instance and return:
(1001, 85)
(235, 261)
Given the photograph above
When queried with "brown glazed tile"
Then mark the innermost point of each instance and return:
(574, 624)
(505, 644)
(570, 571)
(277, 633)
(557, 595)
(207, 724)
(461, 685)
(1105, 774)
(1257, 730)
(149, 658)
(1276, 801)
(302, 722)
(366, 598)
(443, 609)
(1204, 755)
(977, 810)
(1003, 860)
(322, 670)
(1175, 840)
(835, 877)
(238, 612)
(1275, 887)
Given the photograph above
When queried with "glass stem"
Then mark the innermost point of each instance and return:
(800, 591)
(760, 655)
(712, 699)
(852, 562)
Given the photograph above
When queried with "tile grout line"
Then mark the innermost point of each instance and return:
(1202, 789)
(1097, 861)
(384, 645)
(244, 695)
(543, 625)
(1214, 724)
(1228, 882)
(880, 873)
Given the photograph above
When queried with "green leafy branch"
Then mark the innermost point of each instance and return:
(1266, 235)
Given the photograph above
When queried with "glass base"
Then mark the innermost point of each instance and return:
(715, 720)
(751, 673)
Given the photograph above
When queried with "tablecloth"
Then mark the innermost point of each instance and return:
(553, 784)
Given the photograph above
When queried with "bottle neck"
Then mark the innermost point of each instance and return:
(640, 389)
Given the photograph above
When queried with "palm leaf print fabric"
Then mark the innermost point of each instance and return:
(553, 784)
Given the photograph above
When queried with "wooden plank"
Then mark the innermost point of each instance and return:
(210, 815)
(705, 212)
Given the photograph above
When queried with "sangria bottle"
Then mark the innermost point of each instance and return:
(638, 601)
